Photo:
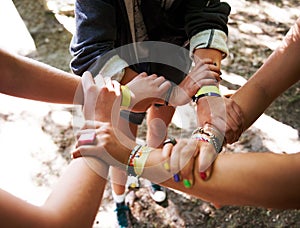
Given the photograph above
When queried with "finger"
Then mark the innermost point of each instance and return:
(203, 82)
(83, 131)
(152, 76)
(90, 95)
(108, 83)
(91, 124)
(166, 150)
(99, 80)
(143, 75)
(82, 151)
(207, 157)
(187, 162)
(159, 80)
(117, 87)
(164, 86)
(166, 153)
(76, 153)
(175, 158)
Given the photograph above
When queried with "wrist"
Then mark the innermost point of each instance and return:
(137, 160)
(204, 91)
(126, 96)
(211, 135)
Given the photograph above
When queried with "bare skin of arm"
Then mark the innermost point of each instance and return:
(74, 202)
(27, 78)
(278, 73)
(258, 179)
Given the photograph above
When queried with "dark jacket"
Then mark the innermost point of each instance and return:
(103, 26)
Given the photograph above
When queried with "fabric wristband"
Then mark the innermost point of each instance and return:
(126, 96)
(207, 91)
(140, 159)
(130, 163)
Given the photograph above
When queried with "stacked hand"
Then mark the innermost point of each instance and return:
(204, 73)
(146, 90)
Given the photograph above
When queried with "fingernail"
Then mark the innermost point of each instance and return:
(176, 178)
(187, 183)
(203, 175)
(167, 166)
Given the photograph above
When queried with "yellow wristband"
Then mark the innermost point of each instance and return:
(208, 89)
(140, 159)
(126, 96)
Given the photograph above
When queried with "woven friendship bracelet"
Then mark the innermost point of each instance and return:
(200, 137)
(140, 159)
(201, 134)
(130, 163)
(126, 96)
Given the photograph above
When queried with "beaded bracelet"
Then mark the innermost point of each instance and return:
(199, 137)
(204, 135)
(126, 96)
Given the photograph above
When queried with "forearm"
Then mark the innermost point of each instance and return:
(27, 214)
(278, 73)
(258, 179)
(77, 197)
(73, 203)
(27, 78)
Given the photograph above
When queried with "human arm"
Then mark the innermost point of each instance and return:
(256, 179)
(263, 179)
(280, 71)
(208, 40)
(94, 42)
(27, 78)
(74, 201)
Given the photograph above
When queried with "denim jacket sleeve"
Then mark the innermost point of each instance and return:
(95, 35)
(206, 24)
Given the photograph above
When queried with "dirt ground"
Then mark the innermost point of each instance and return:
(255, 28)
